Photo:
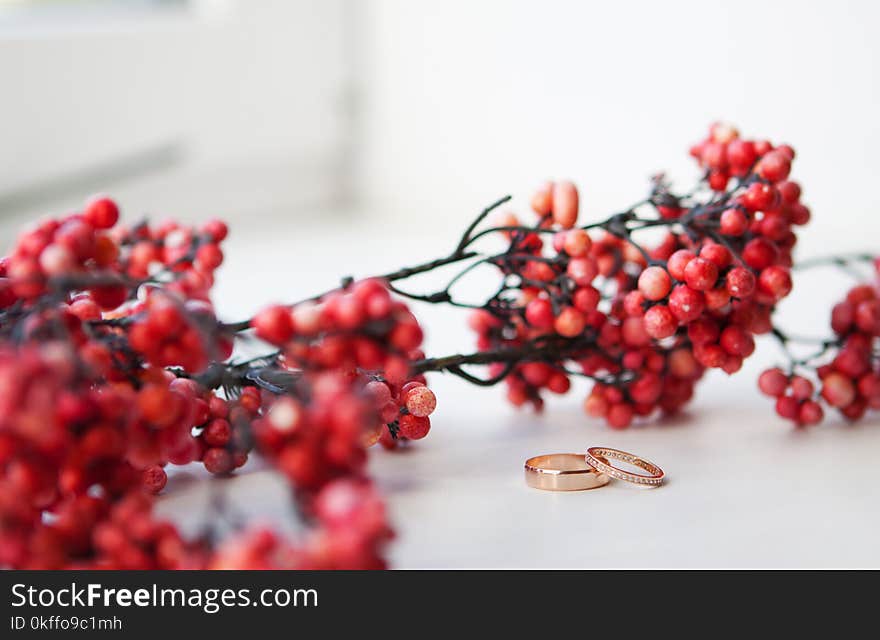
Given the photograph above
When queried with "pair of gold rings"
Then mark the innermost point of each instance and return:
(577, 472)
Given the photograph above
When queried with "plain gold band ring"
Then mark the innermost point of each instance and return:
(563, 472)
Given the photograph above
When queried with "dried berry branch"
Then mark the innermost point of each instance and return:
(113, 364)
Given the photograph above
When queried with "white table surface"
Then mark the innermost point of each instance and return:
(744, 488)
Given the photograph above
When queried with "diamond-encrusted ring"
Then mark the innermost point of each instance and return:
(597, 457)
(563, 472)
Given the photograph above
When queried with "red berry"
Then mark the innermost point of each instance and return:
(761, 197)
(686, 303)
(737, 342)
(539, 313)
(273, 324)
(413, 427)
(760, 253)
(646, 389)
(790, 191)
(710, 355)
(867, 316)
(715, 155)
(218, 461)
(740, 282)
(703, 330)
(101, 213)
(799, 214)
(209, 256)
(700, 274)
(774, 166)
(741, 154)
(733, 222)
(586, 299)
(633, 333)
(619, 416)
(788, 408)
(154, 478)
(775, 282)
(810, 413)
(717, 254)
(109, 297)
(869, 388)
(217, 433)
(216, 229)
(718, 180)
(659, 322)
(677, 263)
(717, 299)
(773, 382)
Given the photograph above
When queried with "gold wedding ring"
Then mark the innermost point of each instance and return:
(598, 458)
(563, 472)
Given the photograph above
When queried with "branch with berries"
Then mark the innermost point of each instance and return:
(113, 364)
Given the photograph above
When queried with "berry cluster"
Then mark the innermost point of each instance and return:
(846, 368)
(646, 322)
(364, 334)
(315, 433)
(113, 366)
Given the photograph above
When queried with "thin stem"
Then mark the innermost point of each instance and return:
(835, 261)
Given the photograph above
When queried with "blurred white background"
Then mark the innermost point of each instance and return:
(414, 108)
(355, 136)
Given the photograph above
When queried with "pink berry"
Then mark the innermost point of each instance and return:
(838, 390)
(565, 204)
(677, 263)
(655, 283)
(420, 401)
(659, 322)
(577, 243)
(773, 382)
(542, 200)
(582, 270)
(801, 388)
(570, 322)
